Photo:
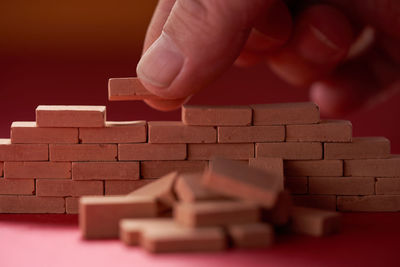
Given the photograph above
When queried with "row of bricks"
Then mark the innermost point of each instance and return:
(262, 114)
(360, 148)
(114, 170)
(177, 132)
(371, 203)
(296, 185)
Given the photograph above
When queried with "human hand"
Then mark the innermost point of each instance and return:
(189, 43)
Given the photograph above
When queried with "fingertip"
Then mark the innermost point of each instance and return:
(167, 104)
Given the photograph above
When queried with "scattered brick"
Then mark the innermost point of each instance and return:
(252, 235)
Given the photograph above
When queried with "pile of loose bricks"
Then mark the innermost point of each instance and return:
(230, 204)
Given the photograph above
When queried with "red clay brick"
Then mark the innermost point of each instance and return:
(215, 213)
(325, 131)
(216, 115)
(23, 152)
(315, 201)
(273, 166)
(156, 169)
(169, 132)
(70, 116)
(109, 210)
(19, 169)
(162, 190)
(315, 222)
(297, 185)
(1, 168)
(64, 188)
(341, 185)
(123, 89)
(387, 186)
(189, 188)
(72, 205)
(31, 204)
(369, 203)
(234, 179)
(105, 170)
(171, 237)
(373, 167)
(17, 187)
(251, 134)
(289, 151)
(115, 132)
(360, 148)
(285, 113)
(313, 167)
(83, 152)
(125, 187)
(152, 151)
(231, 151)
(26, 132)
(252, 235)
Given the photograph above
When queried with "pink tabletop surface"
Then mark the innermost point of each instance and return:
(367, 239)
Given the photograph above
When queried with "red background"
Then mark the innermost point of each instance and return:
(63, 52)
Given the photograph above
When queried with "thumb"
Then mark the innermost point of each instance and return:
(199, 41)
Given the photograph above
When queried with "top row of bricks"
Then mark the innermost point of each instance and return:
(262, 114)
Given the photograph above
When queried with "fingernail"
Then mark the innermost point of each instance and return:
(320, 36)
(161, 63)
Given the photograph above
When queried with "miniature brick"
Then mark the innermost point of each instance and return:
(369, 203)
(285, 113)
(124, 187)
(162, 190)
(26, 132)
(215, 213)
(325, 131)
(273, 166)
(23, 152)
(156, 169)
(327, 202)
(70, 116)
(313, 168)
(360, 148)
(251, 134)
(99, 216)
(123, 89)
(279, 214)
(216, 115)
(152, 151)
(189, 188)
(341, 185)
(387, 186)
(373, 167)
(17, 187)
(252, 235)
(62, 188)
(1, 168)
(231, 151)
(115, 132)
(130, 230)
(170, 132)
(289, 150)
(19, 169)
(235, 179)
(31, 204)
(72, 205)
(105, 170)
(83, 152)
(175, 238)
(315, 222)
(297, 185)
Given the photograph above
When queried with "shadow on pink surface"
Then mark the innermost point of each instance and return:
(367, 239)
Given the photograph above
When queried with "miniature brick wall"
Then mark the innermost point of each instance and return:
(71, 151)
